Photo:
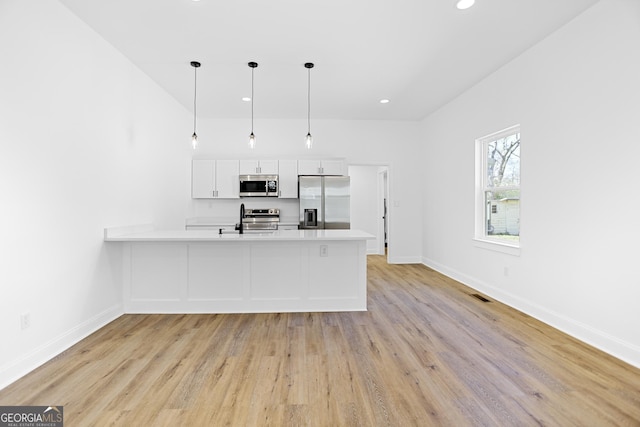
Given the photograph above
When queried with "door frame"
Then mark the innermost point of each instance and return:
(383, 189)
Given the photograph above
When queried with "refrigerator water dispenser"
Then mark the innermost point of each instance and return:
(311, 217)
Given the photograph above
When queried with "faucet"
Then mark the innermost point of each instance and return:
(239, 226)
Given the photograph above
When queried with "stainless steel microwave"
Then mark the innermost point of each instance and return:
(258, 185)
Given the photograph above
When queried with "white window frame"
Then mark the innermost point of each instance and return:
(481, 239)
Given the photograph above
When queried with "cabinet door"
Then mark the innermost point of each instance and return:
(227, 181)
(309, 167)
(268, 167)
(288, 179)
(321, 167)
(332, 167)
(259, 167)
(248, 167)
(203, 179)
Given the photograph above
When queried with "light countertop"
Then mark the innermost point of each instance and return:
(214, 236)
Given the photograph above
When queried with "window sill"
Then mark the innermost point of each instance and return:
(497, 246)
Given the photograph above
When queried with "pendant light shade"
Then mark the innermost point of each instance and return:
(252, 137)
(308, 140)
(194, 137)
(464, 4)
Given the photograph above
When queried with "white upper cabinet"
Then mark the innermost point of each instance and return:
(203, 179)
(215, 179)
(260, 167)
(219, 179)
(227, 179)
(288, 179)
(321, 167)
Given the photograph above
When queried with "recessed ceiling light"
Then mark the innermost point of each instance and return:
(464, 4)
(384, 101)
(246, 99)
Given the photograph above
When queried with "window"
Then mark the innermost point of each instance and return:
(498, 187)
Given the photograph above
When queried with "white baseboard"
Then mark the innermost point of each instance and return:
(612, 345)
(16, 369)
(403, 260)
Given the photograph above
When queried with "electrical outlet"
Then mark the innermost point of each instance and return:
(324, 250)
(25, 321)
(506, 271)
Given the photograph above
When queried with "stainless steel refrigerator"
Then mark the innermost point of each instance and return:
(324, 202)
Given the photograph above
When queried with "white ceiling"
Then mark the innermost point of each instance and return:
(420, 54)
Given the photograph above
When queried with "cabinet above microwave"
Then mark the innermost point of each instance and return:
(258, 167)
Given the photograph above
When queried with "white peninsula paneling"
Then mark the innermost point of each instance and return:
(328, 275)
(219, 269)
(179, 271)
(275, 272)
(158, 270)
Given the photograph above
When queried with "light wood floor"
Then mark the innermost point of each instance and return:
(426, 353)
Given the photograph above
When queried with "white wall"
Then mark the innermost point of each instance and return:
(358, 141)
(87, 142)
(577, 96)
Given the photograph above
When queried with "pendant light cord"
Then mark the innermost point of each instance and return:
(252, 68)
(195, 93)
(309, 101)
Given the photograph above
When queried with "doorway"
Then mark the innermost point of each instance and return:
(383, 196)
(369, 206)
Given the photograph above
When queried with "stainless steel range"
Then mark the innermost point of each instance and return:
(261, 220)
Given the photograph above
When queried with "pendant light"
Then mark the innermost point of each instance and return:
(252, 137)
(308, 140)
(464, 4)
(194, 137)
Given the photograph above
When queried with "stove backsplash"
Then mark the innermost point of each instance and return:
(228, 208)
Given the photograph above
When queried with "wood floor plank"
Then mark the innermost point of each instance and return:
(425, 353)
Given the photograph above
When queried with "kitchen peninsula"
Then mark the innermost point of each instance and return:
(202, 271)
